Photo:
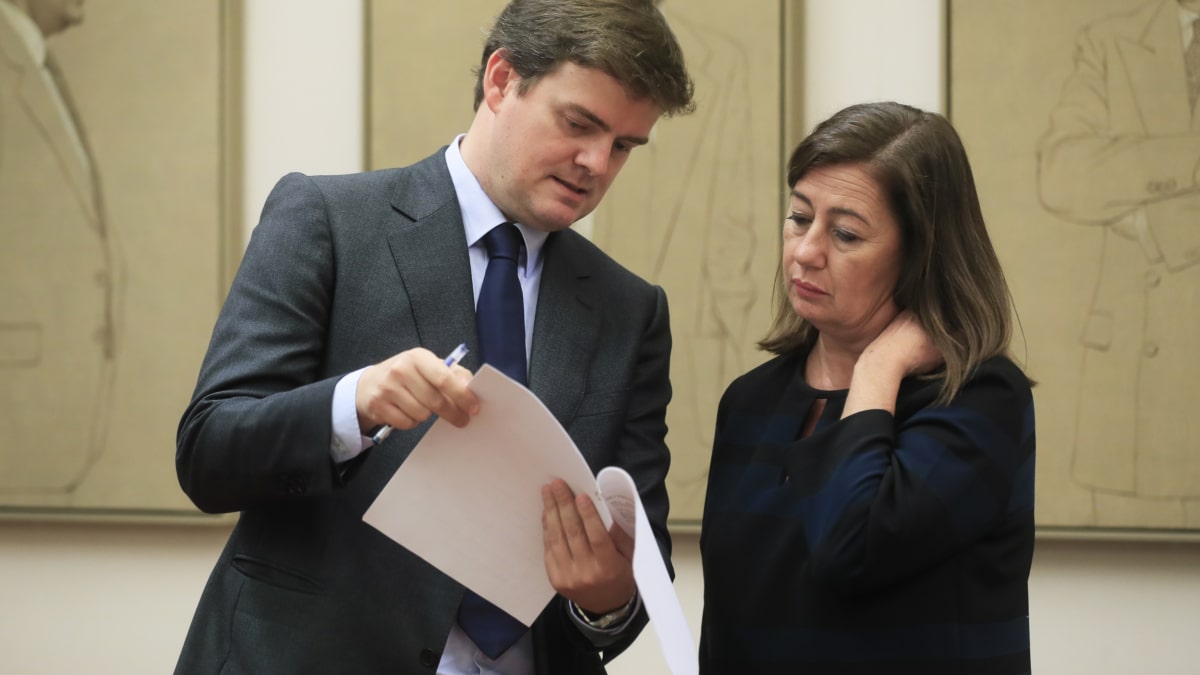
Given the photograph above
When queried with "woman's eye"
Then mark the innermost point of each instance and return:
(799, 219)
(846, 236)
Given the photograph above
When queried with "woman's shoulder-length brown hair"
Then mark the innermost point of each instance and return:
(950, 276)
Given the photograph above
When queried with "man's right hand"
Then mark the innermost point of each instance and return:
(406, 389)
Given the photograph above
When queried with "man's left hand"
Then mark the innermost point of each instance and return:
(587, 564)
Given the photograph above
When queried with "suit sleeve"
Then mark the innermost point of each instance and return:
(895, 499)
(642, 451)
(1090, 174)
(258, 427)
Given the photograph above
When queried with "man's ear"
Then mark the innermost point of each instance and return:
(500, 79)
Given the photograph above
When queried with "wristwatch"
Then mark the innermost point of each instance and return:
(602, 621)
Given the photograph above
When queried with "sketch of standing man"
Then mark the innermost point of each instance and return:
(57, 267)
(1123, 153)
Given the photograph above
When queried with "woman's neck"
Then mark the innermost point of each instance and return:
(830, 365)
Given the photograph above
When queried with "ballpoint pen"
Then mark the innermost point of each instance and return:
(455, 356)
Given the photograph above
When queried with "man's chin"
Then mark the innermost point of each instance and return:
(553, 222)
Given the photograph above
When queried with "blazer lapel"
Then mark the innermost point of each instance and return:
(38, 102)
(438, 285)
(429, 248)
(565, 329)
(1156, 73)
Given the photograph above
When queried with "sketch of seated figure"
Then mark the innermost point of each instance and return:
(56, 265)
(1123, 153)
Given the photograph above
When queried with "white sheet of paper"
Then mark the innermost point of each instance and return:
(650, 573)
(468, 501)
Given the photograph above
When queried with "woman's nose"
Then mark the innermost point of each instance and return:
(810, 249)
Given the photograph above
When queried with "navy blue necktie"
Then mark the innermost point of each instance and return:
(500, 312)
(500, 319)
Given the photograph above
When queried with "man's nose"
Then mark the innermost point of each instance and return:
(594, 156)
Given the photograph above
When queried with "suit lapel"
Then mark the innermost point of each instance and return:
(429, 248)
(566, 326)
(38, 101)
(1156, 73)
(437, 281)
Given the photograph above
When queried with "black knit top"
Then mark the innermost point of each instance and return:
(877, 544)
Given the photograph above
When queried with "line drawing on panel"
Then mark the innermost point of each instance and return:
(690, 226)
(59, 288)
(1122, 153)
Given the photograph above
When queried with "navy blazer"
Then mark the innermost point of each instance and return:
(342, 272)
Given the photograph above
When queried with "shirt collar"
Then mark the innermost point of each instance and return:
(27, 30)
(479, 213)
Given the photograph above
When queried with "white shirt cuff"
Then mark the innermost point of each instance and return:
(348, 441)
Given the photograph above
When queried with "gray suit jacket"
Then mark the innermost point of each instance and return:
(342, 272)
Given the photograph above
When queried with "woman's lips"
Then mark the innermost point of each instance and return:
(806, 289)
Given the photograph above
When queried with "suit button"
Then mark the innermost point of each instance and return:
(1150, 350)
(429, 658)
(1153, 279)
(1161, 186)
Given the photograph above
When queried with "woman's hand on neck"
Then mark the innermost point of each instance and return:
(903, 348)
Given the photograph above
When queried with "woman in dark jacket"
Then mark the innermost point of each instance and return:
(870, 499)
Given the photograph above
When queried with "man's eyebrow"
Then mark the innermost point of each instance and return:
(594, 119)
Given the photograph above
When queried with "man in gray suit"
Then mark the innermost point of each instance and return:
(351, 291)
